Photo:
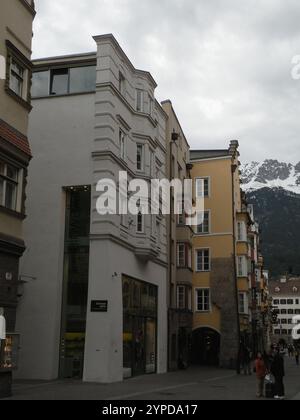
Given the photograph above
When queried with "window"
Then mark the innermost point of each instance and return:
(243, 303)
(140, 157)
(59, 82)
(284, 332)
(8, 186)
(203, 300)
(290, 302)
(202, 187)
(203, 226)
(181, 258)
(242, 267)
(284, 322)
(283, 312)
(82, 79)
(63, 81)
(121, 84)
(139, 100)
(40, 84)
(297, 302)
(290, 321)
(151, 106)
(291, 311)
(181, 217)
(276, 302)
(140, 223)
(203, 260)
(283, 302)
(242, 232)
(122, 140)
(16, 77)
(277, 332)
(181, 297)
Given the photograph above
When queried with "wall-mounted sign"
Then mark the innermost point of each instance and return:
(99, 306)
(8, 276)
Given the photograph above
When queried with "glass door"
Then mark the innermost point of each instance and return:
(150, 345)
(138, 346)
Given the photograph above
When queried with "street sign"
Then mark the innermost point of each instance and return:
(99, 306)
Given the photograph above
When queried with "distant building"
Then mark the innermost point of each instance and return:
(286, 304)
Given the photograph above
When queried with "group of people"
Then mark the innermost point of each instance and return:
(269, 369)
(267, 365)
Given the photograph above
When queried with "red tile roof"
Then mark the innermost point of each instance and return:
(12, 136)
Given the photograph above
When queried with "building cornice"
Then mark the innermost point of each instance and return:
(109, 38)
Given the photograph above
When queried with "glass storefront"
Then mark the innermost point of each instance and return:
(139, 327)
(75, 286)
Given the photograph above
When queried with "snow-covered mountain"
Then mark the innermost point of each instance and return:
(273, 188)
(271, 174)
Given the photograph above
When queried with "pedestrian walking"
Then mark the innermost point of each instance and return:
(277, 369)
(261, 371)
(246, 360)
(297, 356)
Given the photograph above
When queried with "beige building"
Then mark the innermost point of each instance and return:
(16, 19)
(215, 284)
(230, 300)
(180, 316)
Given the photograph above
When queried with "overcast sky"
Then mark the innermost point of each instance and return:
(225, 64)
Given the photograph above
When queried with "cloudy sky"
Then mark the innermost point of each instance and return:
(225, 64)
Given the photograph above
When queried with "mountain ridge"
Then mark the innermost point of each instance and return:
(273, 188)
(270, 173)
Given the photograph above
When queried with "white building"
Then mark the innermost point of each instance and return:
(286, 303)
(97, 309)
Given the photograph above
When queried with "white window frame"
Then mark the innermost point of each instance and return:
(182, 296)
(17, 183)
(241, 232)
(140, 100)
(202, 289)
(206, 212)
(15, 75)
(245, 310)
(196, 260)
(122, 141)
(203, 178)
(242, 266)
(151, 105)
(181, 246)
(142, 147)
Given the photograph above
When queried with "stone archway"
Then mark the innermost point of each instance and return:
(206, 347)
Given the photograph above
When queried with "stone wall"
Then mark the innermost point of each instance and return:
(224, 295)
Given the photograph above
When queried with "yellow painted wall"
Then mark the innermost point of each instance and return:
(220, 239)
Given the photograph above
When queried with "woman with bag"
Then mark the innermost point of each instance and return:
(261, 370)
(278, 371)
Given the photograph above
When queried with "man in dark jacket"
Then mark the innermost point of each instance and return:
(277, 369)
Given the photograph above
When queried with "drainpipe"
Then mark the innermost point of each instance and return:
(174, 138)
(233, 170)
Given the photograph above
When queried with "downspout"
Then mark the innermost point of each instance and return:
(233, 169)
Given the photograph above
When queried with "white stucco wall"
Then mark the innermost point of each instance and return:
(61, 133)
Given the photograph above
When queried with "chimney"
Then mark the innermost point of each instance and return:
(233, 148)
